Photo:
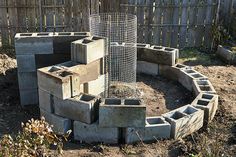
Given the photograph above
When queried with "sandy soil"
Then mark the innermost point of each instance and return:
(161, 94)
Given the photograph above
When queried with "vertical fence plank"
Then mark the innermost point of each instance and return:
(175, 32)
(148, 21)
(209, 17)
(156, 22)
(68, 16)
(48, 15)
(183, 23)
(85, 7)
(3, 23)
(76, 19)
(140, 19)
(94, 6)
(13, 20)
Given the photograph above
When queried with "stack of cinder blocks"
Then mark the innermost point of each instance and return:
(37, 50)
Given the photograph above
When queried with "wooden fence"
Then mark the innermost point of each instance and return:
(175, 23)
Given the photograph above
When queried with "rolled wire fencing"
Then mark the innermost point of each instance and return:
(121, 58)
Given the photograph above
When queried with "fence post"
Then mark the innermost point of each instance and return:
(40, 16)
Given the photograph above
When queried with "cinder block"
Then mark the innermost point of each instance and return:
(157, 54)
(62, 40)
(225, 54)
(30, 43)
(28, 96)
(83, 107)
(204, 86)
(87, 72)
(60, 125)
(172, 72)
(46, 101)
(184, 121)
(60, 83)
(117, 113)
(144, 67)
(156, 128)
(88, 50)
(26, 63)
(176, 51)
(90, 133)
(208, 103)
(187, 76)
(98, 86)
(27, 80)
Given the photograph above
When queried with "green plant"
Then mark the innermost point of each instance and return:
(35, 140)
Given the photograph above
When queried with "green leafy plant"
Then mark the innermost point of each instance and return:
(35, 140)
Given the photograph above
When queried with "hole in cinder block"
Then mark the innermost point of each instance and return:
(158, 47)
(202, 82)
(80, 33)
(141, 45)
(190, 71)
(189, 110)
(177, 115)
(155, 121)
(96, 38)
(132, 102)
(64, 33)
(112, 101)
(205, 88)
(86, 41)
(169, 49)
(26, 34)
(42, 34)
(180, 66)
(197, 75)
(206, 96)
(64, 74)
(202, 102)
(85, 97)
(53, 69)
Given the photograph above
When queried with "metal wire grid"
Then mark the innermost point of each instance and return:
(121, 60)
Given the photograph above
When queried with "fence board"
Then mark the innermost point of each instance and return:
(175, 31)
(140, 19)
(209, 17)
(167, 19)
(3, 24)
(183, 22)
(12, 11)
(156, 22)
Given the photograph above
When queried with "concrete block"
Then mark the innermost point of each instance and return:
(30, 43)
(27, 80)
(87, 72)
(28, 96)
(208, 103)
(140, 50)
(26, 63)
(144, 67)
(184, 121)
(156, 128)
(226, 55)
(172, 72)
(187, 76)
(98, 86)
(62, 40)
(60, 125)
(83, 107)
(157, 54)
(204, 86)
(90, 133)
(61, 83)
(117, 113)
(176, 51)
(44, 60)
(88, 50)
(46, 101)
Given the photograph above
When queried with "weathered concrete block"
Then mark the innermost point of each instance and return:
(87, 72)
(83, 107)
(226, 55)
(204, 86)
(117, 113)
(157, 54)
(60, 83)
(144, 67)
(187, 76)
(176, 51)
(28, 96)
(62, 40)
(156, 128)
(98, 86)
(208, 103)
(26, 63)
(30, 43)
(172, 72)
(184, 121)
(27, 80)
(46, 101)
(60, 125)
(88, 50)
(90, 133)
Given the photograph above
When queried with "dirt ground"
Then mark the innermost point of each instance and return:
(161, 95)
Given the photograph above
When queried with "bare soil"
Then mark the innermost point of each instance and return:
(161, 95)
